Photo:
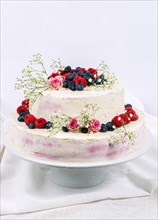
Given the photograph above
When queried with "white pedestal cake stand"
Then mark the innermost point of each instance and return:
(85, 174)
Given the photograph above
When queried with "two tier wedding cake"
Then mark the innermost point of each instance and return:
(74, 114)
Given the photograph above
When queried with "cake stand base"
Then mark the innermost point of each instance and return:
(78, 178)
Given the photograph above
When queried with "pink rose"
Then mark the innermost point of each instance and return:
(73, 125)
(95, 125)
(56, 82)
(61, 78)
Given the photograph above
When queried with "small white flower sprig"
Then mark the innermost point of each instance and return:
(123, 135)
(84, 118)
(87, 114)
(57, 65)
(58, 120)
(109, 78)
(34, 79)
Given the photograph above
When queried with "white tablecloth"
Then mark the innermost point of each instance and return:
(129, 191)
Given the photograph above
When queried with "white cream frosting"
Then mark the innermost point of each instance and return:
(75, 146)
(69, 146)
(65, 101)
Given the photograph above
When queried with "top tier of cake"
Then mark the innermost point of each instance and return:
(71, 93)
(110, 102)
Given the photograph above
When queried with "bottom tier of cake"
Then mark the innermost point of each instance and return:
(77, 147)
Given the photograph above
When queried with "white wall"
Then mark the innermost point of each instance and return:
(82, 34)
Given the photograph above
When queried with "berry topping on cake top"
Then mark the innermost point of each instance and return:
(35, 79)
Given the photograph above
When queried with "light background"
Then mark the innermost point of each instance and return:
(83, 33)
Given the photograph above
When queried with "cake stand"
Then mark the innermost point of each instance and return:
(82, 174)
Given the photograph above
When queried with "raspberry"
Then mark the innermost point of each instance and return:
(77, 80)
(132, 116)
(61, 72)
(66, 75)
(40, 123)
(29, 119)
(53, 75)
(21, 109)
(117, 121)
(127, 109)
(79, 72)
(26, 103)
(83, 69)
(125, 119)
(93, 72)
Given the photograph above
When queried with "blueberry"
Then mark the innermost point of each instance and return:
(98, 81)
(128, 105)
(109, 126)
(65, 83)
(84, 130)
(71, 76)
(67, 69)
(24, 113)
(103, 128)
(21, 118)
(74, 72)
(65, 129)
(82, 74)
(78, 69)
(49, 124)
(86, 77)
(31, 125)
(71, 85)
(89, 73)
(79, 87)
